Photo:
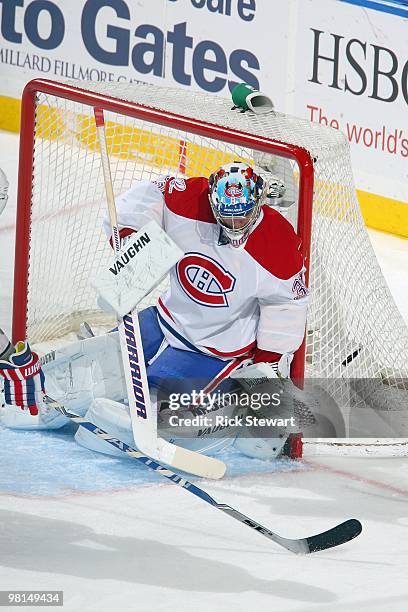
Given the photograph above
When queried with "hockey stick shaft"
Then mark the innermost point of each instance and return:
(333, 537)
(143, 422)
(107, 175)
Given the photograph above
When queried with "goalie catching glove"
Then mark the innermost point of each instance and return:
(257, 380)
(261, 371)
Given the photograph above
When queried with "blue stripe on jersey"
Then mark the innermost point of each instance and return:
(178, 336)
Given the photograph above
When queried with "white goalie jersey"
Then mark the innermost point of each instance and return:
(222, 301)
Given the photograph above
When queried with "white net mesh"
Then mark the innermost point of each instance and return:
(354, 328)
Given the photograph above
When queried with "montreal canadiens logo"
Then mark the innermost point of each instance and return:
(234, 190)
(204, 280)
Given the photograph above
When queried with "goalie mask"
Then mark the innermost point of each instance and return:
(235, 197)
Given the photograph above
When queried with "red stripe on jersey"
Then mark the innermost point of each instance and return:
(275, 245)
(215, 382)
(166, 310)
(189, 198)
(237, 353)
(268, 356)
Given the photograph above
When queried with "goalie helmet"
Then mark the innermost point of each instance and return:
(3, 190)
(236, 196)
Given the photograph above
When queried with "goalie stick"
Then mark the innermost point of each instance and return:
(144, 425)
(340, 534)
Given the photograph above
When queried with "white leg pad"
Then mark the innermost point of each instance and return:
(83, 371)
(111, 416)
(14, 417)
(260, 448)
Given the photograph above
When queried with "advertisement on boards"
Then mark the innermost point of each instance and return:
(203, 44)
(353, 76)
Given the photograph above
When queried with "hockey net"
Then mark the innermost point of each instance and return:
(354, 329)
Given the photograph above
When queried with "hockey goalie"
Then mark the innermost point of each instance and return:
(236, 303)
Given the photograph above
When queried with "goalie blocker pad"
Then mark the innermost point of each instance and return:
(141, 264)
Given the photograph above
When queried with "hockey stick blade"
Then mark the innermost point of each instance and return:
(189, 461)
(328, 539)
(335, 536)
